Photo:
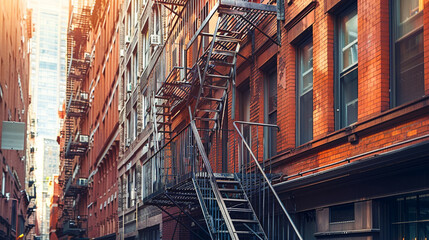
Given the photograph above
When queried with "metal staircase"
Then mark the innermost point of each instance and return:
(216, 71)
(239, 211)
(184, 177)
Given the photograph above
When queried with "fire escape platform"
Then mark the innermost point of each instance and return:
(182, 193)
(173, 90)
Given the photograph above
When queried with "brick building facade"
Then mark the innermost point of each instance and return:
(89, 139)
(15, 22)
(349, 158)
(247, 120)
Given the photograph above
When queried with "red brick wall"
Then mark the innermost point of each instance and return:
(14, 66)
(377, 126)
(373, 55)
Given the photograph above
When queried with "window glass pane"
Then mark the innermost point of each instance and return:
(306, 68)
(306, 117)
(342, 213)
(409, 217)
(349, 34)
(409, 70)
(349, 99)
(410, 16)
(305, 90)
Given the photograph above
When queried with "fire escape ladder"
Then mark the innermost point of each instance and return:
(216, 71)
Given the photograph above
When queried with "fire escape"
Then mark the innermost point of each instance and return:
(205, 165)
(74, 143)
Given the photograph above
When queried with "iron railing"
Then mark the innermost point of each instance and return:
(255, 176)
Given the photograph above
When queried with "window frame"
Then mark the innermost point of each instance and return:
(340, 114)
(270, 143)
(298, 77)
(394, 14)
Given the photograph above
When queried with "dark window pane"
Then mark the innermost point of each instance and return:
(272, 119)
(409, 71)
(306, 117)
(305, 94)
(349, 98)
(13, 217)
(342, 213)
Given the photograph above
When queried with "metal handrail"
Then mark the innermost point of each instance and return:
(213, 184)
(262, 171)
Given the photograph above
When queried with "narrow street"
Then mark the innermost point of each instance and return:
(214, 119)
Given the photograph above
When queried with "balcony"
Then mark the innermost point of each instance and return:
(78, 105)
(76, 146)
(75, 186)
(73, 228)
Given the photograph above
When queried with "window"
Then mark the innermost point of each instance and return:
(271, 111)
(3, 185)
(347, 84)
(244, 115)
(135, 120)
(13, 217)
(128, 26)
(342, 213)
(146, 47)
(136, 11)
(21, 225)
(156, 26)
(150, 233)
(145, 108)
(407, 31)
(305, 93)
(129, 127)
(136, 67)
(408, 217)
(129, 78)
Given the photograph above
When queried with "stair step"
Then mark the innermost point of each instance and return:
(215, 86)
(246, 210)
(241, 232)
(231, 190)
(223, 37)
(221, 63)
(207, 110)
(244, 220)
(240, 200)
(224, 176)
(220, 181)
(224, 52)
(217, 76)
(212, 99)
(206, 119)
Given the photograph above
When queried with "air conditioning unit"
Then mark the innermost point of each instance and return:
(87, 56)
(82, 182)
(155, 39)
(129, 88)
(122, 53)
(127, 39)
(83, 138)
(84, 96)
